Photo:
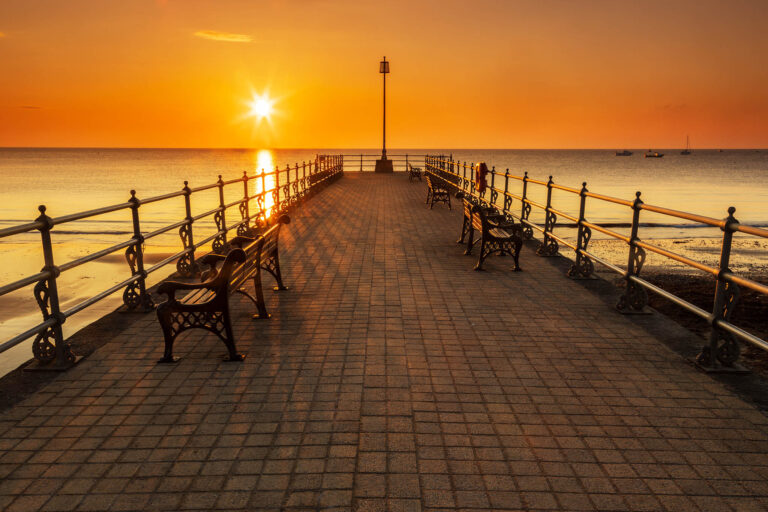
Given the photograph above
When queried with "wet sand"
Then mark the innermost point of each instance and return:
(21, 312)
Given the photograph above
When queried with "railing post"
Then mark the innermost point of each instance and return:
(723, 350)
(549, 246)
(292, 188)
(263, 205)
(244, 229)
(583, 267)
(49, 348)
(471, 178)
(525, 210)
(507, 201)
(186, 265)
(494, 195)
(635, 298)
(135, 295)
(276, 191)
(219, 244)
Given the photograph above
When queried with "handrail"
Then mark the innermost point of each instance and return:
(721, 350)
(290, 186)
(366, 161)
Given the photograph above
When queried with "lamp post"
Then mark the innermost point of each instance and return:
(384, 165)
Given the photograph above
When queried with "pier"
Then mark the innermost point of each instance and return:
(390, 377)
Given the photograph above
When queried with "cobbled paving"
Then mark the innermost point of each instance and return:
(390, 377)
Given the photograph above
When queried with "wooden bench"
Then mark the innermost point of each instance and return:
(206, 306)
(498, 234)
(468, 202)
(414, 172)
(436, 193)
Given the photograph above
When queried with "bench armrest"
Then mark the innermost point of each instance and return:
(501, 221)
(240, 241)
(235, 257)
(211, 259)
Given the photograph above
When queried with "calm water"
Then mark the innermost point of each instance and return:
(706, 182)
(71, 180)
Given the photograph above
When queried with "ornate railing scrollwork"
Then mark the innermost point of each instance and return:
(635, 298)
(219, 244)
(548, 246)
(583, 266)
(527, 230)
(44, 344)
(186, 265)
(243, 229)
(507, 203)
(135, 295)
(726, 347)
(494, 196)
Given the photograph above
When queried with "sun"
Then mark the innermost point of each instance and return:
(261, 107)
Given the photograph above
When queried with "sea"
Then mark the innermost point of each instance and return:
(66, 181)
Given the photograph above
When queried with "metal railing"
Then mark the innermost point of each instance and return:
(255, 209)
(363, 162)
(722, 351)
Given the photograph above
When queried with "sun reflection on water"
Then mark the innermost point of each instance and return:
(264, 162)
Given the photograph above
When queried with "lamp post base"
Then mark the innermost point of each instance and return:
(384, 165)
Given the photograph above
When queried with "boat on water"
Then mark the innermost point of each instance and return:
(624, 153)
(687, 150)
(653, 154)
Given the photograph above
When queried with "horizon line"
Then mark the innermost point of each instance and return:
(607, 148)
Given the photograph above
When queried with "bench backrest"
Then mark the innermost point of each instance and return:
(220, 281)
(469, 205)
(435, 185)
(257, 251)
(478, 217)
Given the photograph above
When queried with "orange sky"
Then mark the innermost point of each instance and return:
(480, 74)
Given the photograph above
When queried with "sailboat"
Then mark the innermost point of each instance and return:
(687, 150)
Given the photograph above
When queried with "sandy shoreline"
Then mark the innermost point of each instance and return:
(21, 312)
(748, 255)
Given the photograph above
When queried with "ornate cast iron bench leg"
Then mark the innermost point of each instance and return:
(205, 307)
(272, 266)
(164, 316)
(484, 252)
(174, 321)
(465, 227)
(261, 306)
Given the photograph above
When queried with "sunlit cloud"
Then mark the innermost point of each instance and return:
(214, 35)
(2, 34)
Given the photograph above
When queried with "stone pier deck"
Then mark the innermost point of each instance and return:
(390, 377)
